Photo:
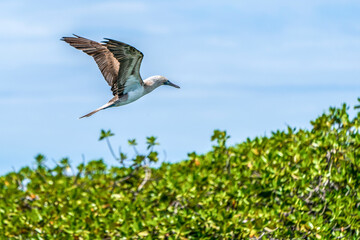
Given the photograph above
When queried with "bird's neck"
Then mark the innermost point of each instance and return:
(150, 84)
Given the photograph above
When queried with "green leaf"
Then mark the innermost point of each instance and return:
(132, 142)
(139, 159)
(105, 134)
(153, 157)
(40, 159)
(151, 141)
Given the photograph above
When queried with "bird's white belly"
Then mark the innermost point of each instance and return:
(136, 94)
(131, 96)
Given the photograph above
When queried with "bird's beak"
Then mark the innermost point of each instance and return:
(173, 85)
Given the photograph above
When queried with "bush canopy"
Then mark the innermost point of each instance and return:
(294, 184)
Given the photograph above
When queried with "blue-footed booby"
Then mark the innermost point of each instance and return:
(119, 63)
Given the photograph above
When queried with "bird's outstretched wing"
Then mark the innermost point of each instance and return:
(107, 63)
(129, 72)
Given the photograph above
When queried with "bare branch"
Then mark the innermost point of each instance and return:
(146, 178)
(111, 149)
(342, 228)
(267, 231)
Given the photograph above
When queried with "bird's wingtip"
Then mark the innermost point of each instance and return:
(64, 38)
(106, 40)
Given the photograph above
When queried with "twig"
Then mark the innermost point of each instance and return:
(307, 234)
(260, 237)
(340, 237)
(316, 189)
(228, 165)
(135, 150)
(270, 230)
(322, 212)
(41, 176)
(342, 228)
(121, 160)
(78, 175)
(111, 149)
(176, 204)
(146, 178)
(267, 231)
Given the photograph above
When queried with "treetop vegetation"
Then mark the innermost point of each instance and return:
(294, 184)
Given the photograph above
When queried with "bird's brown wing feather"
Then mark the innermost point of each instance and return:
(130, 60)
(107, 63)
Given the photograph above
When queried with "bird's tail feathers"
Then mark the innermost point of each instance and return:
(109, 104)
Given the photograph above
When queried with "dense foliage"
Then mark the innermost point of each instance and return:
(295, 184)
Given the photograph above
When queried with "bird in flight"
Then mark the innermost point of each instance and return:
(119, 63)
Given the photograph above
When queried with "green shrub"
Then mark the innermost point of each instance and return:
(295, 184)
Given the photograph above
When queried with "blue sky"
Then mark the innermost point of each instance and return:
(249, 67)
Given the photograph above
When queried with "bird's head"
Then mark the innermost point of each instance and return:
(160, 80)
